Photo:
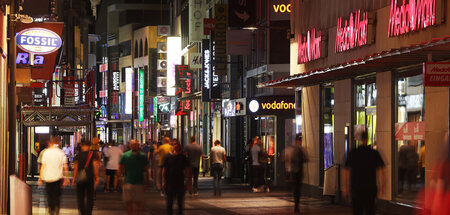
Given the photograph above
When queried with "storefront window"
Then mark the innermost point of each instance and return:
(366, 111)
(328, 125)
(410, 149)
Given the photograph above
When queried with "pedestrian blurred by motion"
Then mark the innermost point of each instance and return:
(194, 154)
(259, 160)
(85, 177)
(123, 147)
(52, 167)
(154, 161)
(295, 157)
(422, 162)
(69, 153)
(146, 149)
(408, 166)
(177, 175)
(218, 163)
(362, 168)
(113, 155)
(163, 150)
(133, 165)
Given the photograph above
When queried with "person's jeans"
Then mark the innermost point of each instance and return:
(216, 172)
(363, 202)
(195, 171)
(297, 189)
(53, 190)
(85, 196)
(171, 192)
(258, 176)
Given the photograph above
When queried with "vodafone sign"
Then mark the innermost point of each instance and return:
(38, 41)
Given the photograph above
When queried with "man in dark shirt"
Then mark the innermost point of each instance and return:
(194, 154)
(363, 165)
(175, 166)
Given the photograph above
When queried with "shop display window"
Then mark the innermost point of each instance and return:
(366, 112)
(410, 149)
(328, 125)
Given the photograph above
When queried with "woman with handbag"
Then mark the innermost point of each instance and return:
(85, 176)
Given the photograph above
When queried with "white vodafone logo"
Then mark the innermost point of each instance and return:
(253, 106)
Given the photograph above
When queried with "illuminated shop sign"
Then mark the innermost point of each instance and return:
(206, 70)
(116, 80)
(411, 16)
(282, 8)
(141, 95)
(24, 58)
(351, 33)
(309, 46)
(128, 90)
(38, 40)
(271, 105)
(215, 91)
(173, 58)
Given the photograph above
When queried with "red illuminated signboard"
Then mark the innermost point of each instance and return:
(351, 33)
(411, 16)
(309, 46)
(436, 74)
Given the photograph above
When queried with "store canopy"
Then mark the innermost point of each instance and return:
(382, 61)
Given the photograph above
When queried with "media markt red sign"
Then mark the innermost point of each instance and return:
(410, 131)
(309, 46)
(353, 32)
(411, 16)
(436, 74)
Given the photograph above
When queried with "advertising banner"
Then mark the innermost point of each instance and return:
(196, 15)
(436, 74)
(195, 60)
(129, 90)
(410, 131)
(40, 39)
(163, 30)
(220, 39)
(208, 26)
(141, 95)
(206, 70)
(153, 71)
(215, 88)
(242, 13)
(270, 105)
(173, 58)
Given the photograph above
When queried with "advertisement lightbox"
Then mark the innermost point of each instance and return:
(173, 58)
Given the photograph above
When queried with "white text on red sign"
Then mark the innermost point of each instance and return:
(353, 33)
(415, 15)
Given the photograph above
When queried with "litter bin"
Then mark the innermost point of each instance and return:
(206, 165)
(330, 185)
(228, 171)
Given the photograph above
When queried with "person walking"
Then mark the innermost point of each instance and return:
(177, 176)
(69, 153)
(133, 164)
(362, 167)
(85, 177)
(194, 154)
(52, 168)
(294, 158)
(218, 163)
(163, 150)
(259, 159)
(113, 154)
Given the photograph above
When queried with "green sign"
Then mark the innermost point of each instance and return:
(141, 95)
(155, 108)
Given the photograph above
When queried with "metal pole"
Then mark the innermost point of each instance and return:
(12, 91)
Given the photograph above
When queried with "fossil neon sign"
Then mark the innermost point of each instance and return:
(354, 32)
(309, 46)
(411, 16)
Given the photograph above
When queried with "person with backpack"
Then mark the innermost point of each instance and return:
(85, 177)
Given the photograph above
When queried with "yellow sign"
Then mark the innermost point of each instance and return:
(282, 8)
(278, 105)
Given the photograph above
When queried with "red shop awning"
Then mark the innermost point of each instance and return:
(382, 61)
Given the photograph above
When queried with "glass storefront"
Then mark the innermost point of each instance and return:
(366, 111)
(410, 149)
(266, 130)
(328, 125)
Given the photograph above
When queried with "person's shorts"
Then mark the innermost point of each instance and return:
(133, 193)
(111, 172)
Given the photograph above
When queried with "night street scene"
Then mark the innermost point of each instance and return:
(224, 107)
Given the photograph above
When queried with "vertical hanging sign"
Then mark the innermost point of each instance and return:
(220, 38)
(141, 95)
(206, 70)
(196, 15)
(215, 91)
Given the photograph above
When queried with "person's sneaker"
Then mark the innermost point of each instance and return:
(267, 189)
(254, 190)
(196, 194)
(161, 194)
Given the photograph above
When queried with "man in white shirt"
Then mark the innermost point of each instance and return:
(52, 165)
(68, 152)
(218, 162)
(113, 154)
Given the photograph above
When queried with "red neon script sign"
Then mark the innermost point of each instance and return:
(417, 14)
(309, 46)
(353, 33)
